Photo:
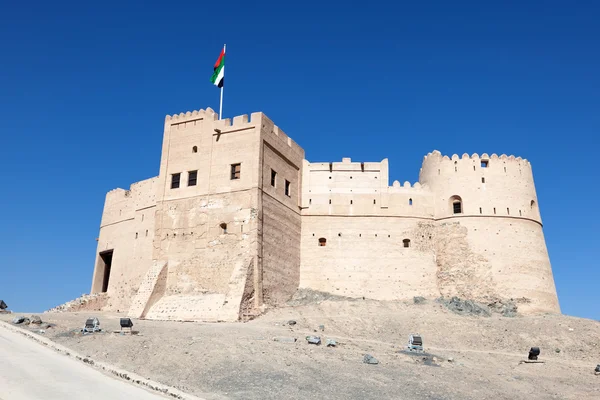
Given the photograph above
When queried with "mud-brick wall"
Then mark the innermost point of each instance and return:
(365, 256)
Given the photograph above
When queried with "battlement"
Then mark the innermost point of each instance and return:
(192, 115)
(437, 156)
(347, 165)
(406, 185)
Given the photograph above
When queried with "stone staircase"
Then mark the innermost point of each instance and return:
(153, 283)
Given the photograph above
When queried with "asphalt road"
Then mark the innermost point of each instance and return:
(30, 371)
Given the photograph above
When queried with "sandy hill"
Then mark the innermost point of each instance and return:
(468, 356)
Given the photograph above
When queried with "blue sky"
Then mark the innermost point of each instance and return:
(84, 89)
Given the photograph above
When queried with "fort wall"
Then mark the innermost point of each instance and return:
(238, 219)
(281, 183)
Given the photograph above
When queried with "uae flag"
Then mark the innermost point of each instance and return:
(219, 73)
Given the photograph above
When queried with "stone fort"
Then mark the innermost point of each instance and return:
(237, 220)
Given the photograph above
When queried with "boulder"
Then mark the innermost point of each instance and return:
(36, 320)
(369, 359)
(313, 340)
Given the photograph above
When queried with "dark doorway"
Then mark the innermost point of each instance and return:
(106, 257)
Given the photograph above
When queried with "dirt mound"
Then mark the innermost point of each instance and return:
(304, 297)
(87, 302)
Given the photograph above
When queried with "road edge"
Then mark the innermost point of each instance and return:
(109, 369)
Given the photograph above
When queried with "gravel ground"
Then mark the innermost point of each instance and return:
(468, 357)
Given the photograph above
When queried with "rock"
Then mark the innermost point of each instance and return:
(465, 307)
(419, 300)
(285, 339)
(369, 359)
(313, 340)
(557, 350)
(18, 320)
(597, 368)
(321, 328)
(331, 343)
(291, 322)
(450, 359)
(36, 320)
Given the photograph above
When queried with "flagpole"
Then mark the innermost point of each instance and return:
(221, 103)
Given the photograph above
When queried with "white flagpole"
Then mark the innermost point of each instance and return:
(221, 104)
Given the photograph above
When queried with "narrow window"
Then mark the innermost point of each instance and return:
(330, 167)
(480, 210)
(309, 201)
(273, 177)
(175, 178)
(195, 149)
(520, 213)
(142, 217)
(455, 169)
(350, 202)
(482, 180)
(406, 242)
(192, 178)
(287, 188)
(532, 204)
(473, 168)
(136, 235)
(362, 166)
(484, 163)
(374, 201)
(504, 169)
(146, 232)
(322, 242)
(410, 202)
(439, 171)
(507, 211)
(223, 227)
(236, 170)
(456, 204)
(494, 210)
(329, 201)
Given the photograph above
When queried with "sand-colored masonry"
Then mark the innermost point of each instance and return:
(252, 220)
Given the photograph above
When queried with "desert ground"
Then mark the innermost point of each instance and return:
(467, 356)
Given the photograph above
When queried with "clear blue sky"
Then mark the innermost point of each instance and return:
(84, 89)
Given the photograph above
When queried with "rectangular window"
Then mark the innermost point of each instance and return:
(175, 178)
(273, 177)
(192, 178)
(484, 163)
(457, 207)
(287, 188)
(236, 170)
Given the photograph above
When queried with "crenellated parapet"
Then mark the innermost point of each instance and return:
(487, 185)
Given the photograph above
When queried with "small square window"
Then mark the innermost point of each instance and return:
(236, 170)
(287, 188)
(192, 178)
(273, 178)
(484, 163)
(175, 179)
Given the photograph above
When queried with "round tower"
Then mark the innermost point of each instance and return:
(490, 243)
